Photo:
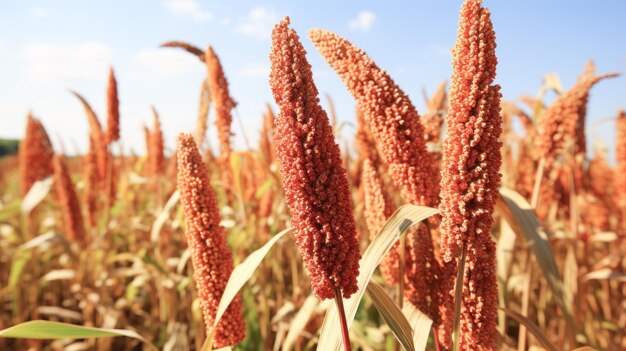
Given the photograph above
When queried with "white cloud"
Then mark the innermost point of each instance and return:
(39, 12)
(258, 23)
(255, 70)
(169, 62)
(188, 8)
(50, 62)
(13, 119)
(363, 21)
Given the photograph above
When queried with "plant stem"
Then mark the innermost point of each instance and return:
(342, 320)
(538, 178)
(458, 298)
(436, 337)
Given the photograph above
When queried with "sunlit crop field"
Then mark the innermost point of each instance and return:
(476, 224)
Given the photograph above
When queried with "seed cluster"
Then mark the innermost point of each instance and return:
(314, 178)
(223, 102)
(35, 154)
(470, 174)
(378, 208)
(620, 155)
(66, 195)
(113, 110)
(210, 255)
(391, 116)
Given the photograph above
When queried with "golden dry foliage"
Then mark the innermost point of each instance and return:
(156, 261)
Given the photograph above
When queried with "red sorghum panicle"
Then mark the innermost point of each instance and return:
(113, 110)
(35, 154)
(104, 159)
(157, 159)
(391, 116)
(210, 255)
(192, 49)
(394, 123)
(564, 121)
(433, 117)
(66, 195)
(265, 141)
(90, 176)
(315, 181)
(470, 175)
(378, 209)
(600, 175)
(480, 298)
(620, 156)
(365, 144)
(471, 163)
(147, 135)
(223, 102)
(422, 273)
(203, 111)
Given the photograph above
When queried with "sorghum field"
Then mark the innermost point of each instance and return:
(443, 229)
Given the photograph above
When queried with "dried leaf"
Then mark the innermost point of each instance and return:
(520, 215)
(163, 216)
(300, 321)
(36, 194)
(532, 327)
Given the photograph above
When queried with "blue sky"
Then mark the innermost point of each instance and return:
(48, 47)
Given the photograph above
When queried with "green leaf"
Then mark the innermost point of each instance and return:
(392, 315)
(54, 330)
(20, 259)
(10, 210)
(404, 218)
(296, 326)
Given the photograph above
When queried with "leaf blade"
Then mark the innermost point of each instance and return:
(404, 218)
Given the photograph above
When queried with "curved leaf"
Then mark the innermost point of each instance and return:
(520, 215)
(404, 218)
(36, 194)
(241, 274)
(39, 329)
